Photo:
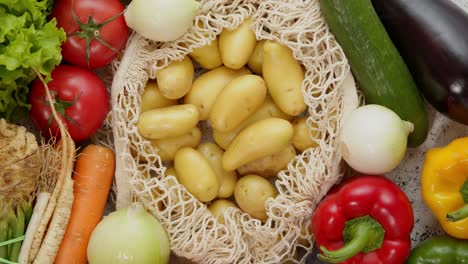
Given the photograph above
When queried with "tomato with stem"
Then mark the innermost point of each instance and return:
(96, 30)
(80, 98)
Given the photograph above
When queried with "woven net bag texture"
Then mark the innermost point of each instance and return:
(140, 175)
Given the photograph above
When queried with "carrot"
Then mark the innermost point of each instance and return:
(94, 171)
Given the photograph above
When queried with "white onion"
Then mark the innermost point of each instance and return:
(129, 235)
(161, 20)
(373, 139)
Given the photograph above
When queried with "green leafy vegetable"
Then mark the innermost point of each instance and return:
(27, 40)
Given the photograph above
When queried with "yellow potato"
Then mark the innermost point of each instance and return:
(263, 138)
(171, 171)
(268, 109)
(269, 166)
(237, 45)
(227, 179)
(251, 193)
(284, 76)
(301, 139)
(218, 207)
(206, 88)
(171, 121)
(195, 173)
(167, 147)
(256, 59)
(237, 101)
(173, 193)
(176, 79)
(152, 98)
(208, 56)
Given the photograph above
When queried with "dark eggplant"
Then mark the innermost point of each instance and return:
(432, 38)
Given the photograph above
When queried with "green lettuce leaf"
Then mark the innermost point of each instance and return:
(27, 41)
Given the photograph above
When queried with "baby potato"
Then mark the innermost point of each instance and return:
(167, 147)
(237, 101)
(237, 45)
(268, 109)
(218, 207)
(208, 56)
(152, 98)
(227, 179)
(171, 121)
(263, 138)
(176, 79)
(171, 171)
(284, 76)
(251, 193)
(207, 87)
(173, 193)
(256, 59)
(301, 139)
(195, 173)
(269, 166)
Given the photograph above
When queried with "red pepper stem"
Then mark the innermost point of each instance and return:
(458, 215)
(363, 234)
(351, 249)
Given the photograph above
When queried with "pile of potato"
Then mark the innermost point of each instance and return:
(252, 98)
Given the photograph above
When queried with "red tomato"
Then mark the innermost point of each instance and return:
(80, 98)
(92, 15)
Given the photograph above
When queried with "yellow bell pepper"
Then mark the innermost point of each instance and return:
(444, 184)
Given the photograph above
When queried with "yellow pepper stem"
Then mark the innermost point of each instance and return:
(462, 213)
(458, 215)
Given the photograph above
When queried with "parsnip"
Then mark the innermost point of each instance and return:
(59, 206)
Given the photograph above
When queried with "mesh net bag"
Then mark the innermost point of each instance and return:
(140, 175)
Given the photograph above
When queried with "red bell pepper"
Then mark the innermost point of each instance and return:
(365, 220)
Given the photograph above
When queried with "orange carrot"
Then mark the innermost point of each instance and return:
(94, 171)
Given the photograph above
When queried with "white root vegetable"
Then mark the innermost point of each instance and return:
(61, 199)
(50, 157)
(42, 199)
(57, 227)
(161, 20)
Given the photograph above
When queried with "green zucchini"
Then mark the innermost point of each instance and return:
(375, 62)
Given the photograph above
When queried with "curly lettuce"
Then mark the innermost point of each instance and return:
(27, 40)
